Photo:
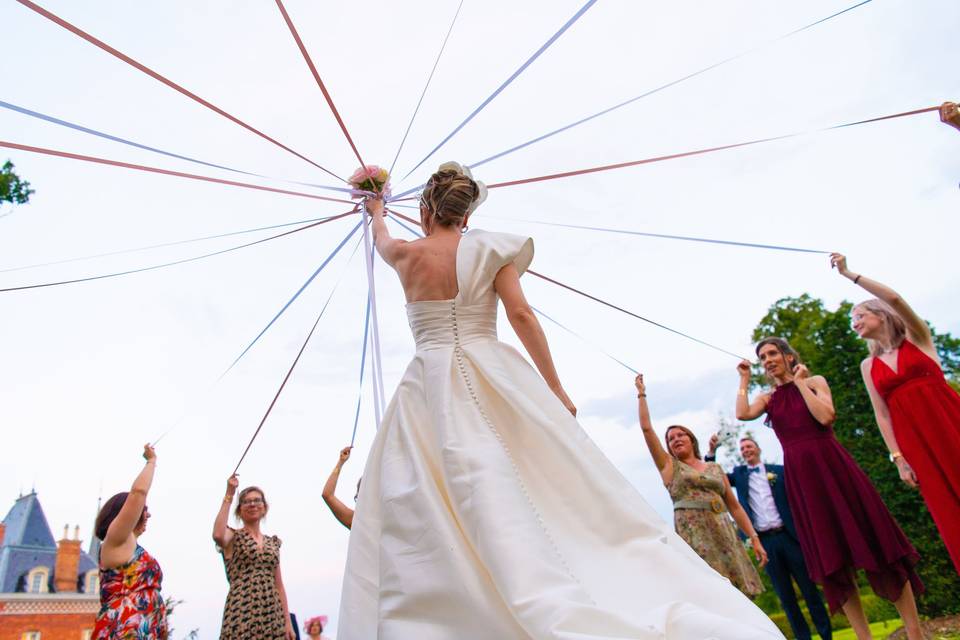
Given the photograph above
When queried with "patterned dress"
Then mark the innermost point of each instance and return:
(701, 519)
(253, 610)
(131, 607)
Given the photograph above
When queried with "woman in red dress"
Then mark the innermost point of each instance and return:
(917, 411)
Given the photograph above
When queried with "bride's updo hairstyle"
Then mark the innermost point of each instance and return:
(448, 197)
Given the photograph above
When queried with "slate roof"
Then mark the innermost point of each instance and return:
(28, 543)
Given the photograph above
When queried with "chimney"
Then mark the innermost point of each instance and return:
(66, 572)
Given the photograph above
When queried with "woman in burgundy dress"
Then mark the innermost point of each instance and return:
(918, 413)
(841, 521)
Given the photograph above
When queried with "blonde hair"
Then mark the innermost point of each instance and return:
(448, 196)
(893, 324)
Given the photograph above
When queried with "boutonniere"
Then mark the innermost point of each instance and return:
(772, 478)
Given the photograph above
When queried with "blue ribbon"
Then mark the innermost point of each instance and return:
(152, 267)
(673, 237)
(131, 143)
(425, 87)
(569, 23)
(574, 333)
(646, 94)
(295, 296)
(363, 361)
(163, 244)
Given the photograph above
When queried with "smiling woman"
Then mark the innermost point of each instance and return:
(703, 502)
(842, 523)
(256, 604)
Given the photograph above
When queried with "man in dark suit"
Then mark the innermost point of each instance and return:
(762, 492)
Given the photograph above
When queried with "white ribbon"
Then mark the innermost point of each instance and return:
(376, 370)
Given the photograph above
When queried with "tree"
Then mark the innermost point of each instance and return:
(12, 188)
(828, 345)
(728, 447)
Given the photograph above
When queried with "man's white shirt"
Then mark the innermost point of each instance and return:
(765, 514)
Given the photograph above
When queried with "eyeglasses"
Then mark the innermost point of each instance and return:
(251, 502)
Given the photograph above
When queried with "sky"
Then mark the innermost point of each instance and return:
(93, 370)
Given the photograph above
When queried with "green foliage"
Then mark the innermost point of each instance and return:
(12, 188)
(829, 347)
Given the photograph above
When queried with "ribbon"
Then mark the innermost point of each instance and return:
(168, 172)
(295, 296)
(577, 335)
(175, 262)
(376, 361)
(156, 76)
(363, 361)
(569, 23)
(316, 76)
(161, 245)
(416, 109)
(613, 108)
(666, 236)
(107, 136)
(596, 299)
(292, 367)
(686, 154)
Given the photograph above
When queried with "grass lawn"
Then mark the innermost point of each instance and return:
(879, 630)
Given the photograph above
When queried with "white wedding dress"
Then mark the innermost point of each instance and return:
(486, 512)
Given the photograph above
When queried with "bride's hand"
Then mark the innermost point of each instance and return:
(374, 206)
(565, 399)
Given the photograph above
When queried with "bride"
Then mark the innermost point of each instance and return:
(485, 510)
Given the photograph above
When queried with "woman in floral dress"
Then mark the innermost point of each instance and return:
(131, 607)
(256, 607)
(703, 502)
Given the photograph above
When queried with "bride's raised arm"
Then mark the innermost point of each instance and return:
(528, 329)
(390, 248)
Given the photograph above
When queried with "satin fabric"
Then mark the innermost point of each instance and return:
(485, 511)
(842, 523)
(925, 414)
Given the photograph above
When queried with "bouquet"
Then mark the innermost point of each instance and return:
(370, 178)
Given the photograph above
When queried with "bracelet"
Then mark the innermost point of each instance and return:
(895, 455)
(641, 395)
(857, 279)
(228, 499)
(742, 392)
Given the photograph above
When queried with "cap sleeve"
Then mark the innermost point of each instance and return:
(507, 248)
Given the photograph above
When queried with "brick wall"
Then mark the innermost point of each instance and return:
(50, 626)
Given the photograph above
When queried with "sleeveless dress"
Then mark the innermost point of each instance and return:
(701, 518)
(253, 610)
(925, 414)
(131, 607)
(841, 521)
(486, 512)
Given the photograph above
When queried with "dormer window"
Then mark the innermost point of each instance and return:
(91, 581)
(38, 580)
